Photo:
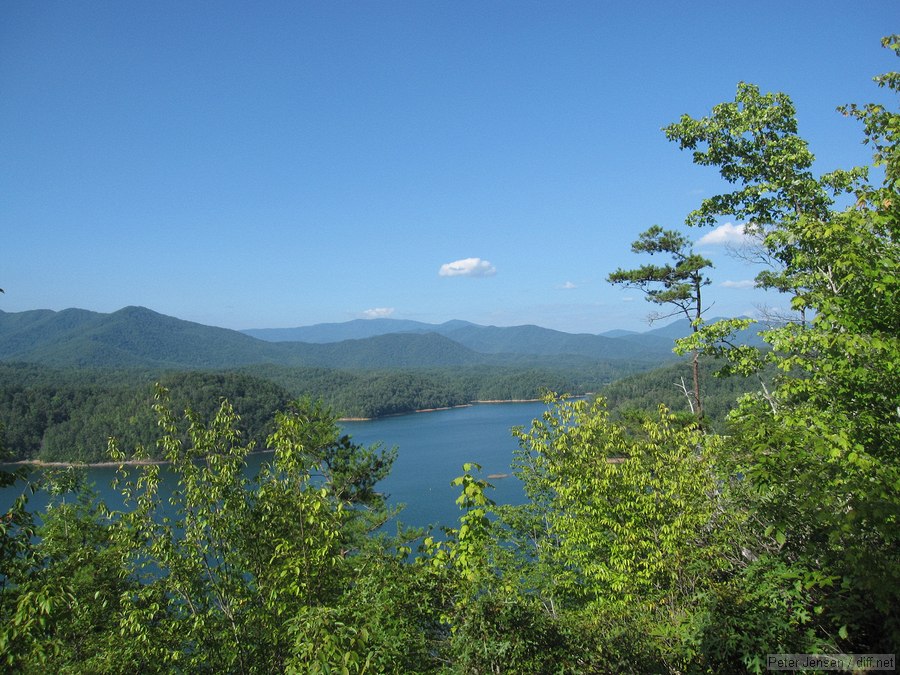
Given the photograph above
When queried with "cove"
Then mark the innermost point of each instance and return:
(432, 447)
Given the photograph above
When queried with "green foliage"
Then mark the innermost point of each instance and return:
(675, 284)
(58, 600)
(234, 573)
(16, 557)
(246, 570)
(493, 622)
(650, 541)
(766, 608)
(640, 522)
(754, 143)
(881, 128)
(635, 395)
(820, 451)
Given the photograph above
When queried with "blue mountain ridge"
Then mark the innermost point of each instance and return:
(137, 336)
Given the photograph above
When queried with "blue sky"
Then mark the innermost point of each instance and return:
(273, 164)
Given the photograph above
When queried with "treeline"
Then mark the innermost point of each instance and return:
(376, 393)
(68, 415)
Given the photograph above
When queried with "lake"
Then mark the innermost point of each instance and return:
(432, 447)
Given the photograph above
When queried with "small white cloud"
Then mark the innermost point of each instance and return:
(725, 234)
(567, 286)
(743, 283)
(468, 267)
(378, 312)
(628, 298)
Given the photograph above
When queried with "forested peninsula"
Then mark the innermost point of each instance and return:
(68, 415)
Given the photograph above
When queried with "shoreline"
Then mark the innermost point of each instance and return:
(408, 412)
(399, 414)
(447, 407)
(510, 400)
(147, 462)
(86, 465)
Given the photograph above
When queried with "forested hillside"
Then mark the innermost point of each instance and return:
(670, 384)
(131, 337)
(136, 337)
(356, 329)
(385, 392)
(52, 414)
(650, 345)
(69, 415)
(73, 378)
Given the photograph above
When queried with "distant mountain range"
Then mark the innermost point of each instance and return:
(139, 337)
(526, 339)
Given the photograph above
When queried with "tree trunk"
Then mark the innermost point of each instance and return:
(695, 363)
(695, 371)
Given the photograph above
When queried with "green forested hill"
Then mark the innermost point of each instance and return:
(70, 379)
(130, 337)
(374, 393)
(538, 340)
(69, 414)
(356, 329)
(400, 350)
(89, 375)
(138, 337)
(25, 332)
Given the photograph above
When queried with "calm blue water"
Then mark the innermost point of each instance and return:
(432, 448)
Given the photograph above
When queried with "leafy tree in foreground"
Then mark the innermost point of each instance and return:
(256, 574)
(228, 573)
(821, 451)
(16, 554)
(639, 527)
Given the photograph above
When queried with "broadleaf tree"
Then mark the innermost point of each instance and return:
(822, 450)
